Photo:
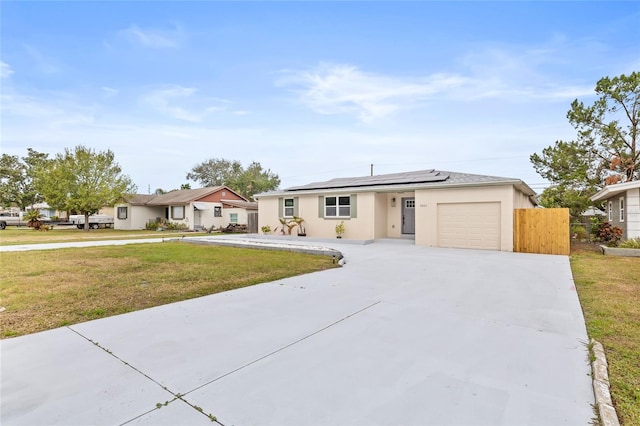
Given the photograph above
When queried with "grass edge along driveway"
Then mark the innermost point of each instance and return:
(42, 290)
(609, 292)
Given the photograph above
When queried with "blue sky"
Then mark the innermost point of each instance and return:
(311, 90)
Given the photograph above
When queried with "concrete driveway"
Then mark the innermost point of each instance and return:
(401, 335)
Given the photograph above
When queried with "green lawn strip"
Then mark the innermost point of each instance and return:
(49, 289)
(609, 291)
(24, 235)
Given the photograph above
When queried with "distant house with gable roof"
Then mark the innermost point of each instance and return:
(197, 209)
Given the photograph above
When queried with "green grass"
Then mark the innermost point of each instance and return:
(14, 235)
(609, 291)
(48, 289)
(633, 243)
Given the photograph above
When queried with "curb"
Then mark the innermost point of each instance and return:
(617, 251)
(604, 405)
(324, 251)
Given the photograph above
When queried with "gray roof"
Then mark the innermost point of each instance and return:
(249, 205)
(615, 189)
(183, 196)
(406, 181)
(140, 199)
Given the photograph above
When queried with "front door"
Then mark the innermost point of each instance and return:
(408, 215)
(196, 218)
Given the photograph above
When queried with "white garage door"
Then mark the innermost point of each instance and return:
(469, 225)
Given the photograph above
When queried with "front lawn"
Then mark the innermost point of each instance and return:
(609, 291)
(42, 290)
(14, 235)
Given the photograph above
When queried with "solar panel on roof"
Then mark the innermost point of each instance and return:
(390, 179)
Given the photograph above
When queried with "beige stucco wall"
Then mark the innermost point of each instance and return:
(381, 203)
(379, 217)
(122, 223)
(363, 227)
(427, 210)
(268, 213)
(207, 217)
(226, 216)
(137, 216)
(394, 213)
(521, 201)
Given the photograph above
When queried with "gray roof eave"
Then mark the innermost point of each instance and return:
(611, 190)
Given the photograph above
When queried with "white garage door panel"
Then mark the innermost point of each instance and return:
(469, 225)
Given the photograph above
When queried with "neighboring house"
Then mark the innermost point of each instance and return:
(435, 208)
(622, 206)
(592, 212)
(45, 210)
(196, 208)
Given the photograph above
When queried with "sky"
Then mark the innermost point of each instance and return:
(310, 90)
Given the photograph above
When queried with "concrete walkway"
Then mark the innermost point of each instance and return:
(401, 335)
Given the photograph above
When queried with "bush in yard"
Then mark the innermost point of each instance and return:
(175, 226)
(633, 243)
(578, 232)
(594, 225)
(609, 234)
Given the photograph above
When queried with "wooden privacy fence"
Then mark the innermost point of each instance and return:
(544, 231)
(252, 222)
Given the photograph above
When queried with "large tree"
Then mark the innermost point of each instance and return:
(252, 180)
(83, 180)
(605, 150)
(16, 179)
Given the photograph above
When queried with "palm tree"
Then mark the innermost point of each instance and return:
(33, 218)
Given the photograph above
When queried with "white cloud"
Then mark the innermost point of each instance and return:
(505, 72)
(336, 89)
(153, 38)
(182, 103)
(5, 70)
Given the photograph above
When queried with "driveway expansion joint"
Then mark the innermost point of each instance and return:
(242, 367)
(122, 360)
(159, 405)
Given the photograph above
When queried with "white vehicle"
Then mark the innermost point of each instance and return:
(17, 219)
(95, 221)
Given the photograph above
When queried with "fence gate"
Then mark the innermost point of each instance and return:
(544, 231)
(252, 222)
